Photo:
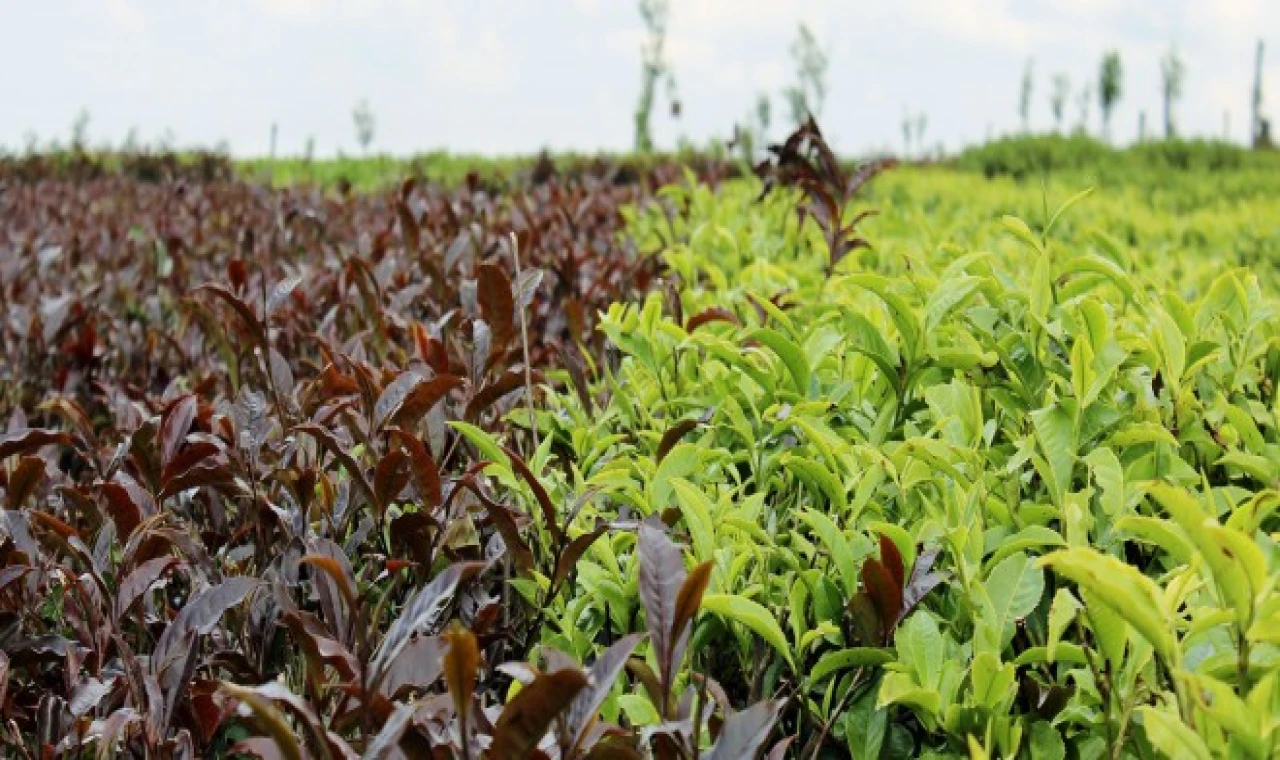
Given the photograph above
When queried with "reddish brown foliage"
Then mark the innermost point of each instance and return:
(228, 462)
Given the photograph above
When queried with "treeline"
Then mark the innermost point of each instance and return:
(1034, 155)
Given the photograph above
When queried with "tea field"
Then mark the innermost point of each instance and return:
(674, 464)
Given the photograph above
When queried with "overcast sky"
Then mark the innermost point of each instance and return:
(510, 76)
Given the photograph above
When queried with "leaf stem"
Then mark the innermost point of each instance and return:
(1100, 681)
(524, 345)
(831, 717)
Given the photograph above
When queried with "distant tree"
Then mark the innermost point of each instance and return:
(275, 132)
(1256, 122)
(807, 95)
(653, 68)
(1173, 72)
(755, 131)
(1142, 126)
(1110, 81)
(130, 144)
(764, 114)
(1058, 98)
(1024, 98)
(167, 141)
(80, 130)
(362, 116)
(744, 141)
(310, 151)
(913, 127)
(1083, 99)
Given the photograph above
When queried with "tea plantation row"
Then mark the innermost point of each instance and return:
(991, 473)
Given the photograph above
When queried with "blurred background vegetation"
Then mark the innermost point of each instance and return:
(1078, 148)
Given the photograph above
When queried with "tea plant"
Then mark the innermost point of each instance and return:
(567, 467)
(247, 484)
(1015, 499)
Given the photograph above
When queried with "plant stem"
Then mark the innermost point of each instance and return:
(1125, 714)
(831, 718)
(1103, 685)
(524, 345)
(1242, 661)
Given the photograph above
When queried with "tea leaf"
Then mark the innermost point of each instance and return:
(752, 615)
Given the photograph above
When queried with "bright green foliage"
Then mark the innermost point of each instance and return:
(1071, 398)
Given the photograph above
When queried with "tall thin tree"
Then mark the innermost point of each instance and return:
(1083, 99)
(764, 115)
(80, 130)
(1255, 122)
(1110, 81)
(362, 118)
(653, 68)
(806, 96)
(1058, 98)
(908, 128)
(1024, 98)
(1173, 72)
(754, 131)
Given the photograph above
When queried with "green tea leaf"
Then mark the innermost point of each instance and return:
(992, 680)
(949, 294)
(1046, 743)
(1109, 475)
(921, 648)
(488, 447)
(903, 315)
(1127, 592)
(1055, 432)
(865, 726)
(837, 544)
(1041, 295)
(752, 615)
(1236, 564)
(1013, 590)
(1062, 612)
(898, 688)
(696, 509)
(1021, 231)
(1067, 204)
(856, 657)
(1171, 736)
(822, 479)
(791, 355)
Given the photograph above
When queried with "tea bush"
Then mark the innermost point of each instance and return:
(996, 485)
(719, 471)
(1145, 162)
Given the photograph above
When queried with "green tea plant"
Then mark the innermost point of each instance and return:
(984, 486)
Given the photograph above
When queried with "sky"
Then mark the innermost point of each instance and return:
(516, 76)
